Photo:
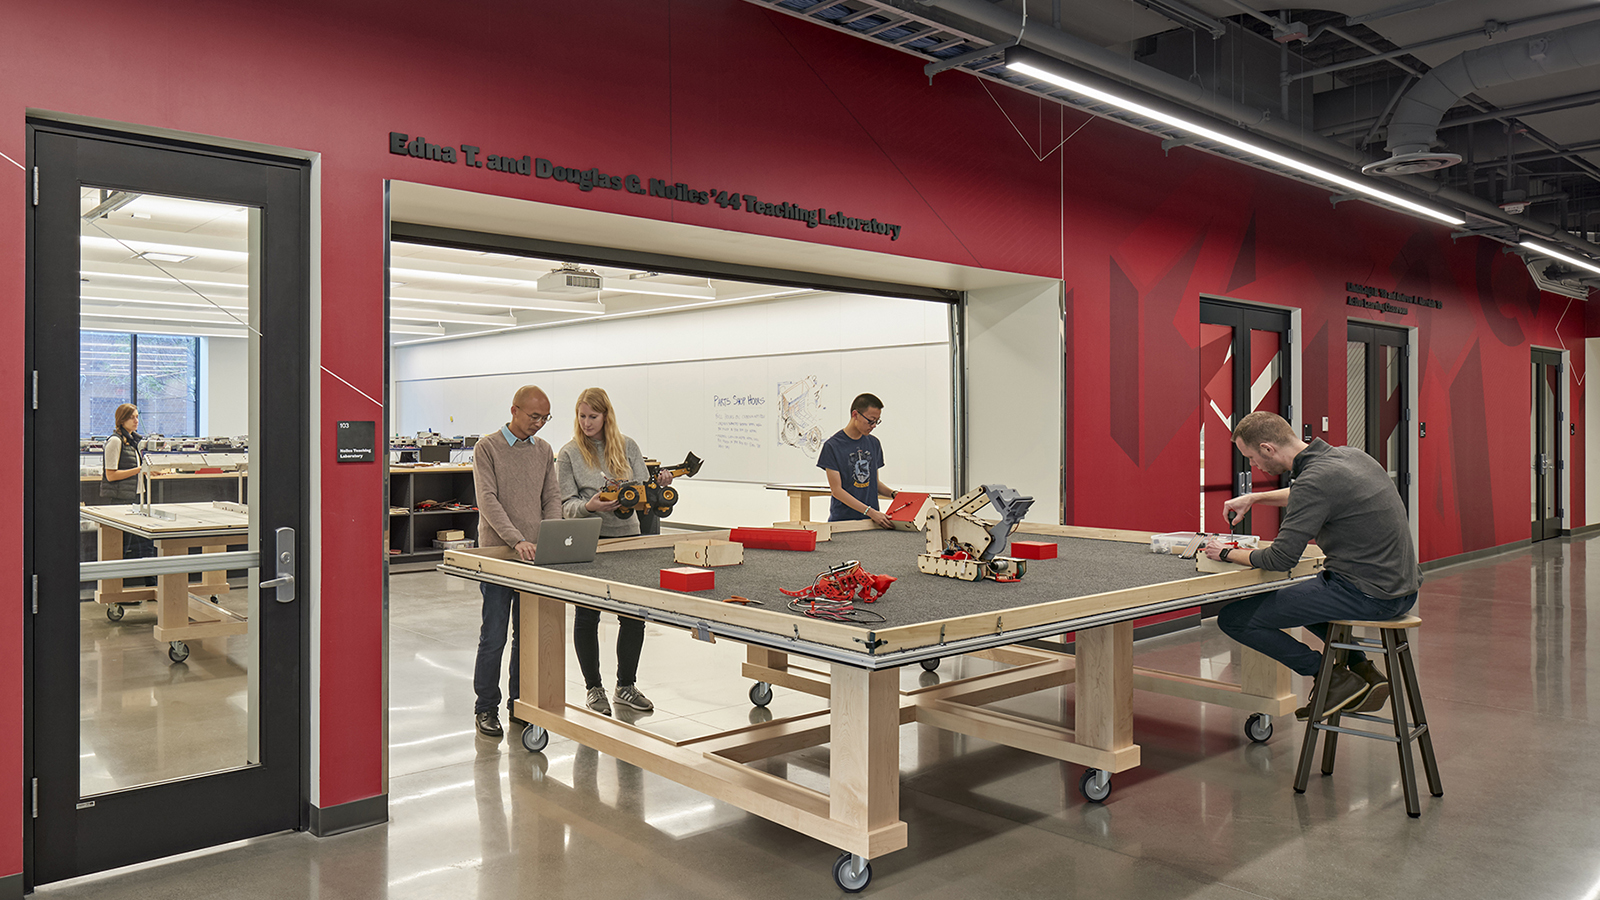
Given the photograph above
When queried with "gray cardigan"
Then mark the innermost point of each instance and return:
(579, 482)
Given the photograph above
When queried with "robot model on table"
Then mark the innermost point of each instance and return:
(960, 545)
(647, 496)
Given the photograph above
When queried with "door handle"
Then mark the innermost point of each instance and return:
(283, 585)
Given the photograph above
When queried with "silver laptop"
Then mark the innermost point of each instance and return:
(567, 541)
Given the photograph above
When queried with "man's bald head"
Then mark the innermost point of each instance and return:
(530, 409)
(527, 393)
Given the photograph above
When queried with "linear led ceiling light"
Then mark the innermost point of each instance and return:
(1557, 254)
(1026, 62)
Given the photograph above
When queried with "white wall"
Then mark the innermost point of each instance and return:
(1014, 399)
(671, 376)
(224, 387)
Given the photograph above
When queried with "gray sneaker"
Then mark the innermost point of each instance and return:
(631, 695)
(596, 700)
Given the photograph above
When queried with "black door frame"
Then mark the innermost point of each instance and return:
(1374, 335)
(1244, 318)
(1544, 528)
(64, 837)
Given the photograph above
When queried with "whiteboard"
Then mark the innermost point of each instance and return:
(756, 420)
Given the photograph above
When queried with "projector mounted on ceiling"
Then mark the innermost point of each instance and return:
(570, 279)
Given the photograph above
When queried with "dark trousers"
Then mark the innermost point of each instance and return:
(586, 643)
(1258, 622)
(136, 547)
(500, 612)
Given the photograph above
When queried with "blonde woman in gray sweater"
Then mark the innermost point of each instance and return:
(599, 453)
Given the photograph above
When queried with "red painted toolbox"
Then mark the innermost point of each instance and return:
(688, 578)
(1032, 550)
(774, 538)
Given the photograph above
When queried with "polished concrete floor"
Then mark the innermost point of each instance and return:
(1503, 658)
(144, 718)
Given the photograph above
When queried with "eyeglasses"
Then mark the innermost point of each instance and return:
(538, 419)
(872, 422)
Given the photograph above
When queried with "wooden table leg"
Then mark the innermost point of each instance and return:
(110, 540)
(543, 662)
(1262, 676)
(766, 659)
(172, 590)
(1105, 687)
(799, 506)
(864, 772)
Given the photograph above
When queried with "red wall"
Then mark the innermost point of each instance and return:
(720, 93)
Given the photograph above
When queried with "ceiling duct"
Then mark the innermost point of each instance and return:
(1550, 275)
(1415, 127)
(981, 17)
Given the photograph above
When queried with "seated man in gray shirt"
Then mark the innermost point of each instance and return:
(1344, 499)
(514, 474)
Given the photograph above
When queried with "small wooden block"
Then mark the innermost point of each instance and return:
(687, 578)
(823, 529)
(775, 538)
(708, 552)
(1032, 550)
(449, 535)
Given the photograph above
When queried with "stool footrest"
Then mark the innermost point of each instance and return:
(1362, 644)
(1415, 732)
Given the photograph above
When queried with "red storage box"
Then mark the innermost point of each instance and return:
(774, 538)
(688, 578)
(1032, 550)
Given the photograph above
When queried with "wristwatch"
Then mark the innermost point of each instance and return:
(1224, 554)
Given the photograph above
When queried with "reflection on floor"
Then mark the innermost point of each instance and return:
(1503, 657)
(144, 718)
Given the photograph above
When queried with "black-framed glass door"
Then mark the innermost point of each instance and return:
(1244, 367)
(166, 695)
(1547, 462)
(1377, 396)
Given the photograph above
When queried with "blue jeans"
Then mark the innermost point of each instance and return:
(1258, 622)
(500, 608)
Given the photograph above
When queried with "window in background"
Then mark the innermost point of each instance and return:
(159, 373)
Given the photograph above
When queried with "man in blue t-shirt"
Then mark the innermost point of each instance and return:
(852, 459)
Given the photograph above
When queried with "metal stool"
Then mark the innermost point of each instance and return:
(1397, 656)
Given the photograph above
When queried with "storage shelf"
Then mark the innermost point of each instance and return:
(411, 531)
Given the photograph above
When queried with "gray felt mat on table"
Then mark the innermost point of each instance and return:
(1082, 567)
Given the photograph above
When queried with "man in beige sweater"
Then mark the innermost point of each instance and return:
(514, 474)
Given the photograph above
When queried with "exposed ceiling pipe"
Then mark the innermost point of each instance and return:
(1490, 29)
(1393, 11)
(1003, 22)
(1415, 126)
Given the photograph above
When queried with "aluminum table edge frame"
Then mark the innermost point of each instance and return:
(868, 659)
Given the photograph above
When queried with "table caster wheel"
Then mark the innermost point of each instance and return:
(930, 664)
(761, 693)
(178, 651)
(852, 873)
(1095, 785)
(115, 612)
(1258, 728)
(535, 738)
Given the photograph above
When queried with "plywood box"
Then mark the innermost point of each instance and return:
(823, 529)
(450, 535)
(708, 552)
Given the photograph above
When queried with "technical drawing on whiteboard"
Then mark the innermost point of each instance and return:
(799, 414)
